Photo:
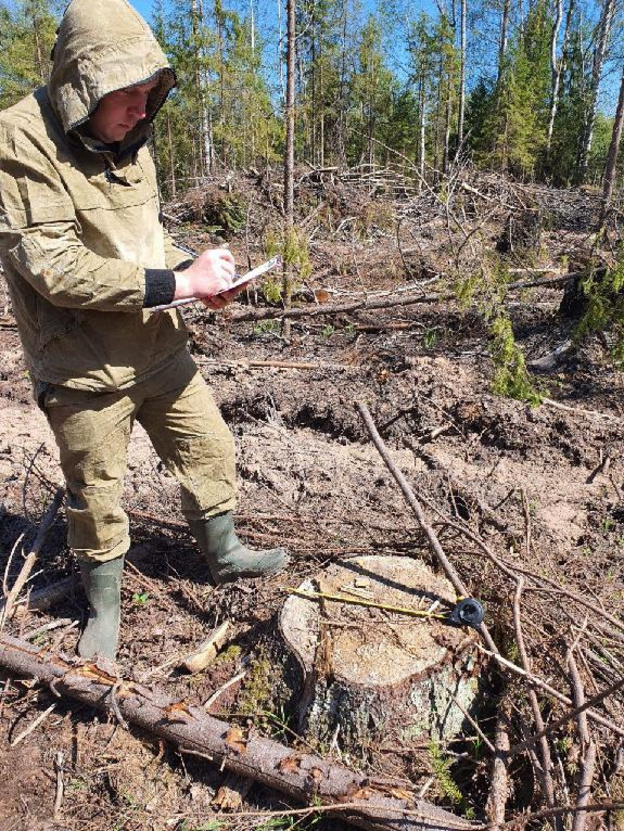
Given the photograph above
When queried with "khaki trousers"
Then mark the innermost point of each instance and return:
(92, 431)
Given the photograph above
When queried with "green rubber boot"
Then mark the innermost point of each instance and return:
(102, 583)
(227, 558)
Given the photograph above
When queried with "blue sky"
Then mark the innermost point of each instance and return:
(144, 7)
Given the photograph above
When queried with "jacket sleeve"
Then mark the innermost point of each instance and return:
(40, 237)
(175, 256)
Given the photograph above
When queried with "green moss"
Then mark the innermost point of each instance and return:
(232, 653)
(258, 688)
(441, 769)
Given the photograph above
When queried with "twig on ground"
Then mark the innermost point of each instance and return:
(7, 684)
(340, 308)
(60, 787)
(600, 807)
(545, 768)
(527, 523)
(117, 686)
(218, 693)
(579, 410)
(512, 570)
(474, 723)
(154, 588)
(533, 679)
(47, 627)
(590, 702)
(5, 577)
(40, 718)
(499, 783)
(31, 559)
(298, 365)
(588, 746)
(42, 599)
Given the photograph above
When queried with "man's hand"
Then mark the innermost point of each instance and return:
(209, 279)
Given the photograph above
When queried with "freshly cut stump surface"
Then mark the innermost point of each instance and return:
(375, 677)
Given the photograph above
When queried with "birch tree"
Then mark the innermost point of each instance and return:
(602, 41)
(556, 64)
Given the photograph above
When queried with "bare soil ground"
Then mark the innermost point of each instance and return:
(520, 497)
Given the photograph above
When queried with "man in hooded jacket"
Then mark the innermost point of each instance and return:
(86, 256)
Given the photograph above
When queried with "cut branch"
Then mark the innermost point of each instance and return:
(544, 771)
(416, 507)
(367, 303)
(533, 679)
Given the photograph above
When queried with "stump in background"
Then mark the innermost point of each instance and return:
(373, 676)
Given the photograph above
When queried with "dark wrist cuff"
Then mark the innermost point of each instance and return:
(159, 287)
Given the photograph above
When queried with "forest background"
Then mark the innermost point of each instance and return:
(528, 89)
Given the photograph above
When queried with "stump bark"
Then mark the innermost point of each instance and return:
(374, 676)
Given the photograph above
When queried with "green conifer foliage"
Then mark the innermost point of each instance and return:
(220, 113)
(321, 90)
(371, 91)
(27, 34)
(519, 123)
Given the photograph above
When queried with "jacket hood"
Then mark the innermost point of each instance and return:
(101, 47)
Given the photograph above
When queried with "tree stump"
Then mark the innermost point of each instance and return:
(373, 676)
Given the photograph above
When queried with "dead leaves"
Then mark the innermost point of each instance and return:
(291, 764)
(237, 739)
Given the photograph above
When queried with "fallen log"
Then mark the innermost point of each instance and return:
(338, 308)
(367, 303)
(305, 777)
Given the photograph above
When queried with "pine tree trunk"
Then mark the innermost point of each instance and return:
(447, 123)
(342, 115)
(502, 42)
(218, 13)
(321, 135)
(204, 148)
(289, 159)
(614, 149)
(462, 78)
(437, 160)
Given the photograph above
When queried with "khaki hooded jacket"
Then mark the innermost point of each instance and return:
(80, 232)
